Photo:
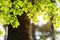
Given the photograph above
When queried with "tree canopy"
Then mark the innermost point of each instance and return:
(9, 11)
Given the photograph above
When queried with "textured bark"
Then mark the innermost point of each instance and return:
(23, 32)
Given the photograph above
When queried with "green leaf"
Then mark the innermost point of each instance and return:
(1, 32)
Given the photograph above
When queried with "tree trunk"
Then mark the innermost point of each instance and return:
(23, 32)
(53, 32)
(33, 31)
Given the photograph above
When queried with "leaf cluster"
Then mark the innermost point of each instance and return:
(9, 10)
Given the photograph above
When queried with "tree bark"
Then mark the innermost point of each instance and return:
(53, 32)
(23, 32)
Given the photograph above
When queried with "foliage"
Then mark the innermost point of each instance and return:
(9, 10)
(58, 0)
(1, 32)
